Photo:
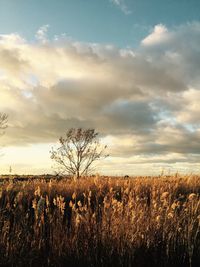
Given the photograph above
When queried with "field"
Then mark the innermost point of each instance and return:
(100, 221)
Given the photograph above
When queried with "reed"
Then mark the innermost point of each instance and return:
(101, 221)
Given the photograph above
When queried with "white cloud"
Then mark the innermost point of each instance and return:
(159, 35)
(41, 34)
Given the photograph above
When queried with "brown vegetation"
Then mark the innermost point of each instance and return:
(99, 221)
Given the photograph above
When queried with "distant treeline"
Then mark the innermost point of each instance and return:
(23, 178)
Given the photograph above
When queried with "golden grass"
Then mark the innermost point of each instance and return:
(101, 221)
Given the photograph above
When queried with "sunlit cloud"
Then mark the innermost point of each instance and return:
(144, 101)
(159, 35)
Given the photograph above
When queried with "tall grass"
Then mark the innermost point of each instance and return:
(143, 221)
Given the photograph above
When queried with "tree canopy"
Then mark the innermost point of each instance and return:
(77, 152)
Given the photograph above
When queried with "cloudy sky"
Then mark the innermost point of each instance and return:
(128, 68)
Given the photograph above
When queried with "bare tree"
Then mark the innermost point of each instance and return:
(3, 121)
(78, 150)
(3, 124)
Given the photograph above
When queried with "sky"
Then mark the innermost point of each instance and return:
(127, 68)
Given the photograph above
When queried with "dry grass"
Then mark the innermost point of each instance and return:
(144, 221)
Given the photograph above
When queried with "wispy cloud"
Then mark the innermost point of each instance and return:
(41, 34)
(122, 6)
